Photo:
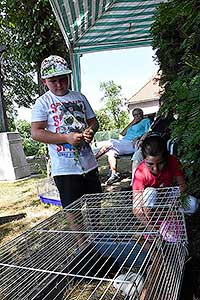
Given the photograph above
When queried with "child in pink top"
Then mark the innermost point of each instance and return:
(159, 169)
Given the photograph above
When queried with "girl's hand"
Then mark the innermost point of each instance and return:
(181, 183)
(88, 135)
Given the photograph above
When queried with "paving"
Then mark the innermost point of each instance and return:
(124, 169)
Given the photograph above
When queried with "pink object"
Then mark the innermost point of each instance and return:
(171, 231)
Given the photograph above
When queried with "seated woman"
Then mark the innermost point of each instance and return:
(159, 169)
(126, 145)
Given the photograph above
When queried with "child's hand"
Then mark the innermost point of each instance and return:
(74, 138)
(88, 135)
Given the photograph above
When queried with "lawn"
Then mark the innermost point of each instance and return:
(21, 197)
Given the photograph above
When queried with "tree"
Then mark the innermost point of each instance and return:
(104, 121)
(114, 105)
(36, 28)
(176, 38)
(31, 33)
(18, 84)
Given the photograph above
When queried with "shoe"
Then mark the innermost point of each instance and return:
(126, 189)
(112, 179)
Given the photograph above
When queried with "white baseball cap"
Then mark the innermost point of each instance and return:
(54, 65)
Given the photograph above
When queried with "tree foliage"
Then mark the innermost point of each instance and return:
(31, 33)
(176, 39)
(113, 116)
(30, 146)
(105, 123)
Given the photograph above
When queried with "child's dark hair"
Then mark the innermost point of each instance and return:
(154, 145)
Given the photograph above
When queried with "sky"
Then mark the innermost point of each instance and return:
(130, 68)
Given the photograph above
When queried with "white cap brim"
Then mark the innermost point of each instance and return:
(66, 72)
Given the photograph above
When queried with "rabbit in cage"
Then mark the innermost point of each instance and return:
(146, 286)
(129, 284)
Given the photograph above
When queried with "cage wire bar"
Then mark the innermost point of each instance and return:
(103, 246)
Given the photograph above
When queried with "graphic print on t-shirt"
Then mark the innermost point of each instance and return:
(71, 120)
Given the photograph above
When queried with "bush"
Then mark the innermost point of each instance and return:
(176, 39)
(107, 135)
(30, 146)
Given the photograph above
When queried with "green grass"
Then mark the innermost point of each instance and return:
(21, 197)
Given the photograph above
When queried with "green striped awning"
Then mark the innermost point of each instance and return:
(92, 25)
(95, 25)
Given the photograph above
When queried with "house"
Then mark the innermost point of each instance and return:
(147, 98)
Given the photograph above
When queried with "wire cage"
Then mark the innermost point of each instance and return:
(48, 192)
(103, 246)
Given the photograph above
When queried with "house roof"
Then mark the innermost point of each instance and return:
(149, 92)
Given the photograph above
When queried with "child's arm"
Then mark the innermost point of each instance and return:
(137, 203)
(142, 213)
(40, 134)
(181, 183)
(89, 132)
(178, 173)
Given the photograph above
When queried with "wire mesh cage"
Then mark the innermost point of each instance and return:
(48, 192)
(103, 246)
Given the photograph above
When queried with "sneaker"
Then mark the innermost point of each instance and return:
(112, 179)
(126, 189)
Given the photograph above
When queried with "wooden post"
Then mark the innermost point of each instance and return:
(3, 117)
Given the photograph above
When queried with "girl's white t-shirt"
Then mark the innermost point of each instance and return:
(66, 114)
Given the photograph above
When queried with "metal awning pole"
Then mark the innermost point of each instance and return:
(75, 62)
(3, 117)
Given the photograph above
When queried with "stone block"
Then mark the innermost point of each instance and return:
(13, 164)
